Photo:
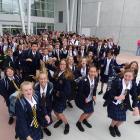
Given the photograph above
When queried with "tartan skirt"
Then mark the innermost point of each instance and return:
(115, 112)
(104, 78)
(85, 107)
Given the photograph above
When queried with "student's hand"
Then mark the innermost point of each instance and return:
(29, 59)
(94, 98)
(29, 138)
(121, 97)
(86, 101)
(136, 111)
(47, 118)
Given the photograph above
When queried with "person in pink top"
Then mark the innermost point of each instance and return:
(138, 48)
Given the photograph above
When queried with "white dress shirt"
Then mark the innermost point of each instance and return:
(43, 90)
(125, 87)
(32, 102)
(107, 66)
(92, 82)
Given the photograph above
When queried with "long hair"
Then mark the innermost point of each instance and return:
(67, 73)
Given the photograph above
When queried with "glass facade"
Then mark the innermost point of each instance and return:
(41, 27)
(9, 7)
(40, 8)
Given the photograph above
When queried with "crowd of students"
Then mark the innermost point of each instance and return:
(41, 74)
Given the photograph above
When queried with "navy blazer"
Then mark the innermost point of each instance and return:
(113, 65)
(9, 62)
(24, 117)
(78, 74)
(7, 88)
(116, 89)
(62, 88)
(48, 95)
(84, 89)
(29, 68)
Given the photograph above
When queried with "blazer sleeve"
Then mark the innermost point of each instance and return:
(21, 122)
(134, 94)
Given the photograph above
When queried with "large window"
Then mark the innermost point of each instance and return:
(9, 7)
(43, 8)
(38, 28)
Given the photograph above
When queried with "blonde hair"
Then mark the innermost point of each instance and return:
(25, 83)
(42, 72)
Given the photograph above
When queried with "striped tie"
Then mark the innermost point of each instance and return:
(35, 122)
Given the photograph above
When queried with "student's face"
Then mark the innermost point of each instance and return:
(34, 47)
(71, 61)
(43, 79)
(57, 46)
(109, 56)
(128, 76)
(27, 91)
(133, 66)
(90, 54)
(62, 65)
(9, 73)
(45, 52)
(84, 62)
(92, 73)
(10, 53)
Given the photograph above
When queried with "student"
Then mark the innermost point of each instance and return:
(85, 97)
(45, 88)
(82, 69)
(119, 102)
(62, 90)
(28, 113)
(72, 67)
(138, 94)
(8, 86)
(107, 66)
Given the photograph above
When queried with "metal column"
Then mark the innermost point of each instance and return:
(80, 17)
(72, 15)
(22, 16)
(29, 17)
(67, 9)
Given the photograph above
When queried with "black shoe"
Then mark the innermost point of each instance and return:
(42, 134)
(16, 136)
(80, 127)
(137, 122)
(11, 120)
(105, 104)
(69, 104)
(117, 131)
(47, 131)
(87, 123)
(112, 131)
(130, 109)
(100, 92)
(67, 128)
(57, 124)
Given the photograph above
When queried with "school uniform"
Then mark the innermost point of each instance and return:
(26, 124)
(62, 90)
(7, 88)
(116, 109)
(82, 53)
(46, 96)
(81, 72)
(29, 68)
(64, 54)
(10, 62)
(107, 67)
(86, 91)
(138, 92)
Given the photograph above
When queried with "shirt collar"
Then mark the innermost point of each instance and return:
(32, 102)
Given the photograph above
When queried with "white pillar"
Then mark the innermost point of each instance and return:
(22, 16)
(29, 17)
(80, 18)
(72, 15)
(67, 9)
(98, 14)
